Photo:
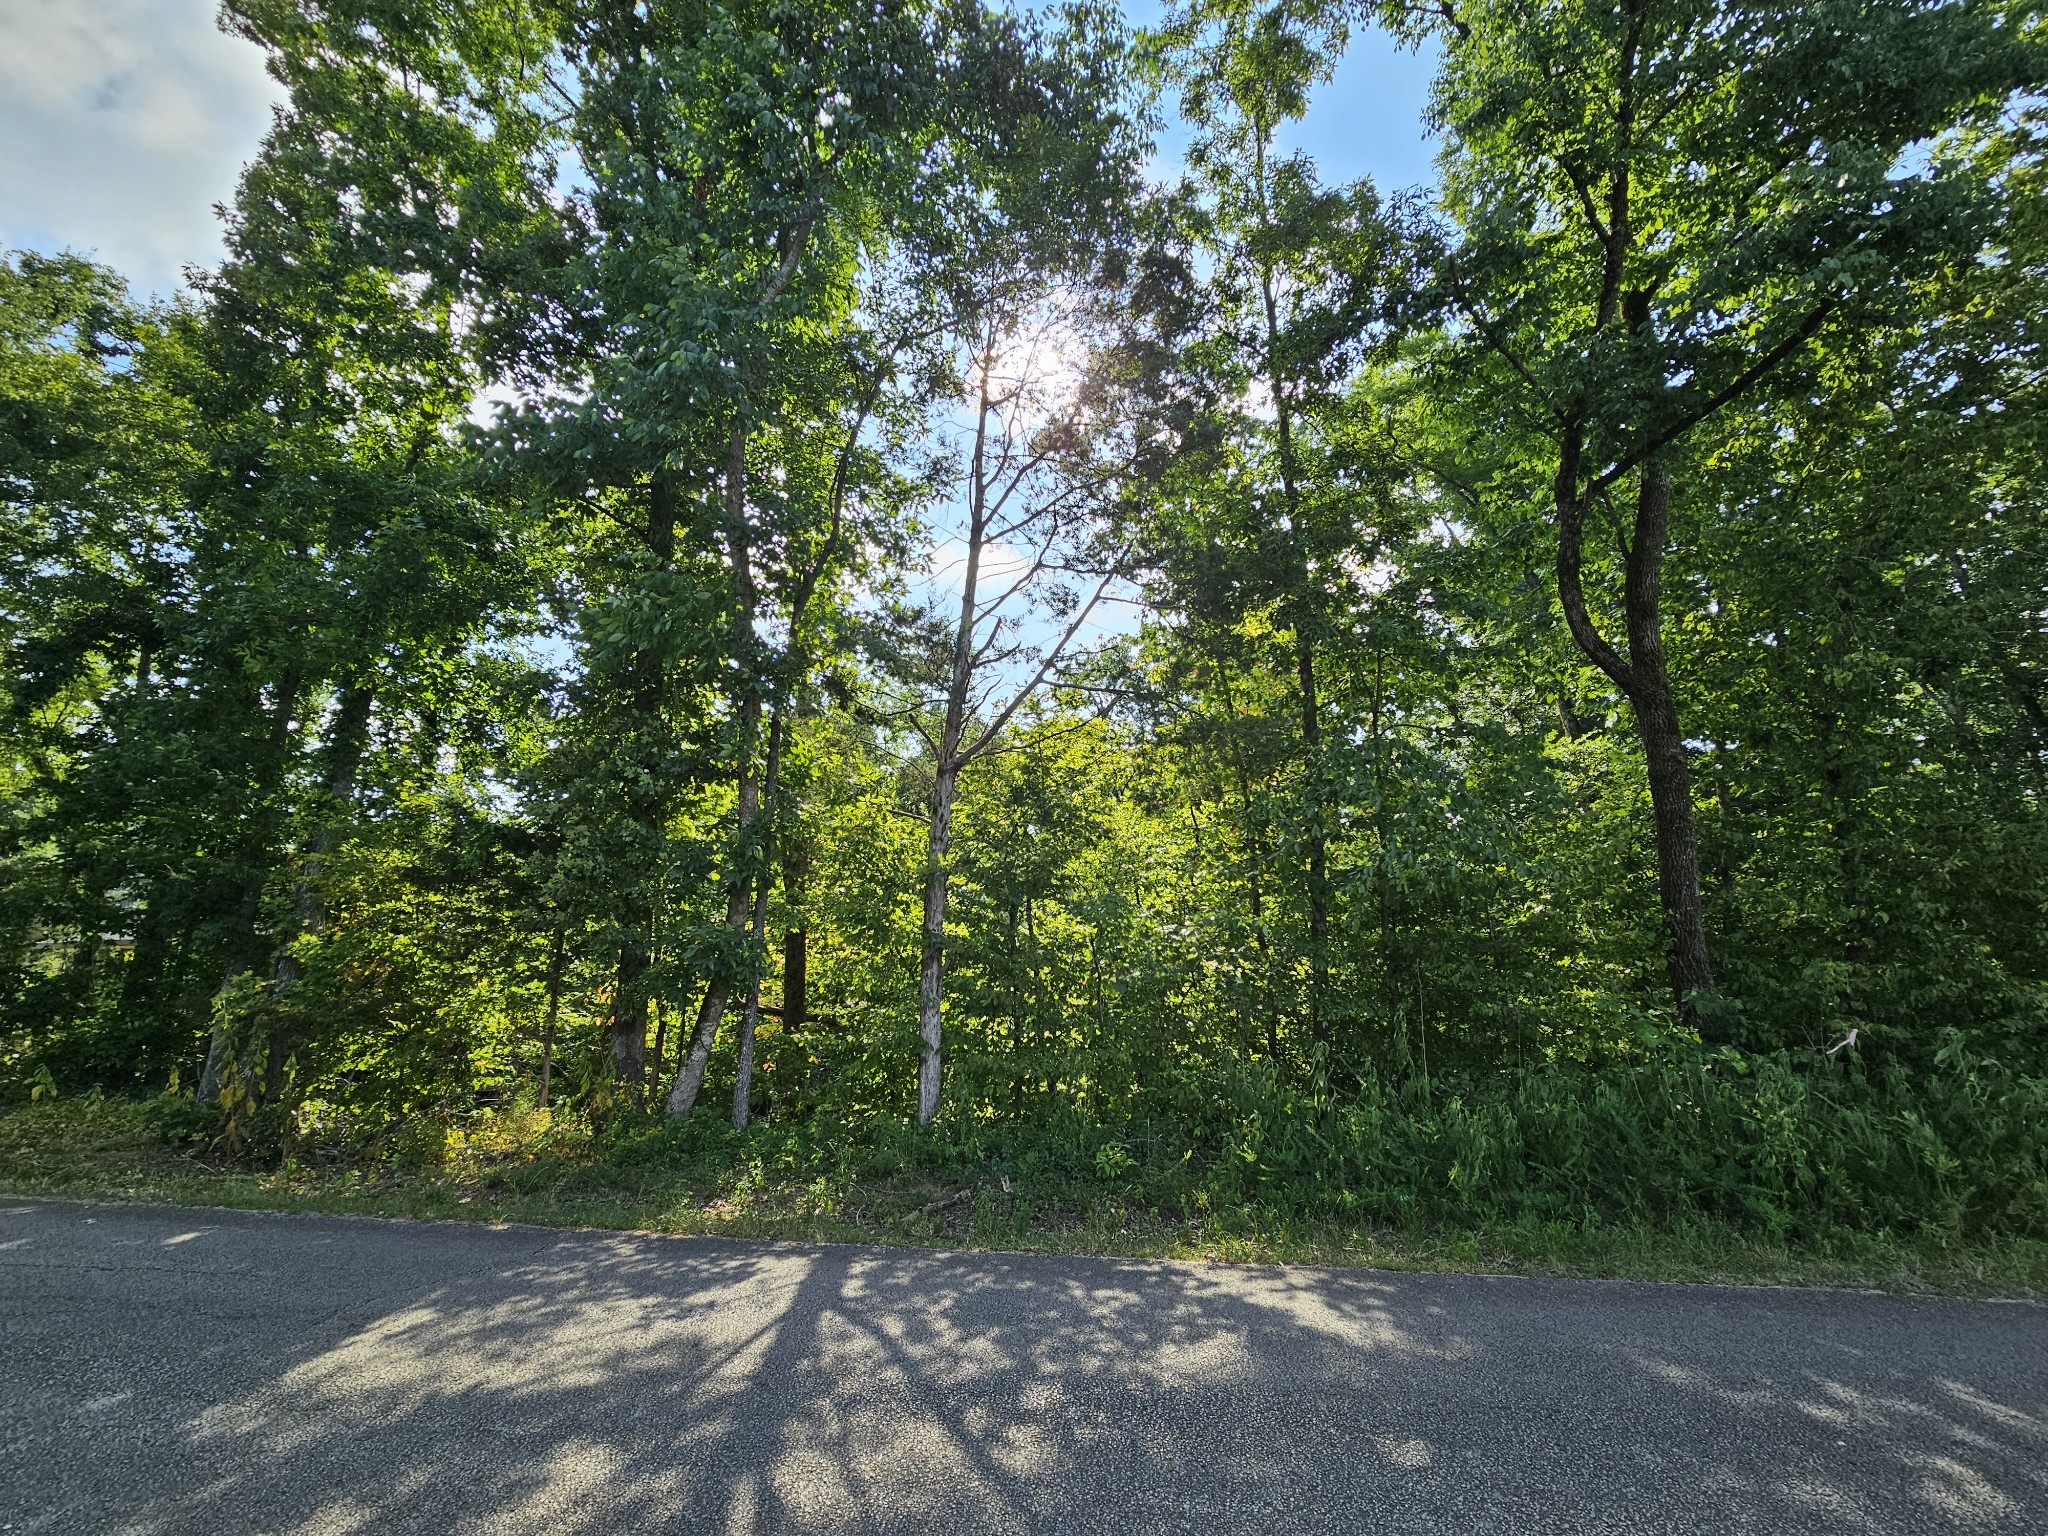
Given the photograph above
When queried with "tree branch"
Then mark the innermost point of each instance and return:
(1722, 396)
(1052, 657)
(799, 238)
(1571, 511)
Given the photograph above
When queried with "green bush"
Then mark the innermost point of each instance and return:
(1750, 1140)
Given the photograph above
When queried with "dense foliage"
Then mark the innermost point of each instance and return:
(775, 546)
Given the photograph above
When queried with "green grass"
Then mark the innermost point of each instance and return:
(531, 1171)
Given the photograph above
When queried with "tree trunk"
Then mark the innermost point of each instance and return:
(795, 980)
(1678, 848)
(661, 1018)
(794, 1004)
(1013, 968)
(795, 940)
(682, 1098)
(146, 965)
(1642, 677)
(689, 1081)
(1383, 878)
(750, 1017)
(1304, 640)
(636, 955)
(931, 970)
(690, 1077)
(1318, 844)
(629, 1017)
(217, 1049)
(753, 795)
(743, 1074)
(1678, 860)
(1256, 853)
(547, 1039)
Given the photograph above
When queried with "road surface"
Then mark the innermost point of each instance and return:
(209, 1372)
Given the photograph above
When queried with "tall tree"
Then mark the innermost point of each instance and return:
(1261, 527)
(1049, 176)
(1658, 206)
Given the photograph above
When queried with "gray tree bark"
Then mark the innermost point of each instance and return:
(689, 1081)
(931, 977)
(750, 1016)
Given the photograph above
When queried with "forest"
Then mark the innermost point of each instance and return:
(883, 584)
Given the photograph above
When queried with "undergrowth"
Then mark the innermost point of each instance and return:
(1708, 1166)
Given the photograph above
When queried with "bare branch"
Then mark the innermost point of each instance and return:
(1038, 564)
(840, 470)
(1052, 657)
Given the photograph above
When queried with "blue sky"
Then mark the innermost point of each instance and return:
(1366, 122)
(123, 122)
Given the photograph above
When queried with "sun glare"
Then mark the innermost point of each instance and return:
(1032, 373)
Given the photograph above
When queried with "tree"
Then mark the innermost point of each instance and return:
(1267, 528)
(1031, 263)
(736, 161)
(1658, 207)
(97, 443)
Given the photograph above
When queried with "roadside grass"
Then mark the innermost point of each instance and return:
(526, 1169)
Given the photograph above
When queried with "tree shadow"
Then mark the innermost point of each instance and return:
(311, 1375)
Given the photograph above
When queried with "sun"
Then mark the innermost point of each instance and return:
(1030, 371)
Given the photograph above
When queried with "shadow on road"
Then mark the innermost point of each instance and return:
(391, 1378)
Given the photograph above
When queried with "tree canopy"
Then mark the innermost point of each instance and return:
(780, 545)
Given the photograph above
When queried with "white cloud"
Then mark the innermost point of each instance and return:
(122, 123)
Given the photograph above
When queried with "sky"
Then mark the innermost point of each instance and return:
(124, 122)
(1368, 120)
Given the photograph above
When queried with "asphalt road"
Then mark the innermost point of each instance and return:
(208, 1372)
